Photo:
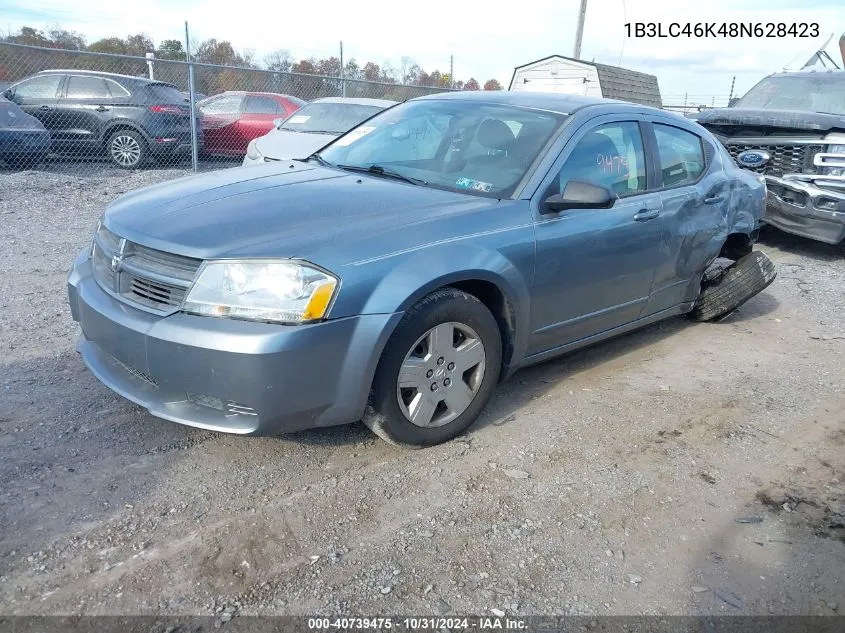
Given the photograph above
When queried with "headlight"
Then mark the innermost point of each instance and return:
(252, 152)
(105, 237)
(839, 164)
(280, 291)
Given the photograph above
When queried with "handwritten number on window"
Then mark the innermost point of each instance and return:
(613, 165)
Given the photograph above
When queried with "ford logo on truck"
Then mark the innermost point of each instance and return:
(753, 158)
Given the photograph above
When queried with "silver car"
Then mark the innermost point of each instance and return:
(311, 127)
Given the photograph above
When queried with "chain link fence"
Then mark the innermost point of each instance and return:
(92, 108)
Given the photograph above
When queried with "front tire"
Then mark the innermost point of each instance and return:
(437, 372)
(127, 149)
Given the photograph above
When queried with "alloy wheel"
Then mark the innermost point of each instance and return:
(125, 150)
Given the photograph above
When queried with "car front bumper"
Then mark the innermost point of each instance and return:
(796, 204)
(227, 375)
(24, 142)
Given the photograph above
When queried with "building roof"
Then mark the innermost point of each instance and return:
(615, 82)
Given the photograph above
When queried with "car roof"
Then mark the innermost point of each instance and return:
(384, 103)
(550, 101)
(98, 73)
(253, 93)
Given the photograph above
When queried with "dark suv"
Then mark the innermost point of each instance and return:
(131, 119)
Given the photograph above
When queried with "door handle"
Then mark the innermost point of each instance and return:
(646, 214)
(715, 199)
(44, 107)
(102, 109)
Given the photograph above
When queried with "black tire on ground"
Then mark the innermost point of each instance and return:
(738, 283)
(22, 161)
(455, 310)
(127, 149)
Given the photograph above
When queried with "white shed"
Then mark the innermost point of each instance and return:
(557, 73)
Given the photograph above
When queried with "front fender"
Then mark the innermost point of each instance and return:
(402, 280)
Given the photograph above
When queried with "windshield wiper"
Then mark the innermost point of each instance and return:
(322, 161)
(290, 129)
(378, 170)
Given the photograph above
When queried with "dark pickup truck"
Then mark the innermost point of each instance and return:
(790, 128)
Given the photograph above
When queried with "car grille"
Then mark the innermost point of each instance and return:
(145, 277)
(785, 159)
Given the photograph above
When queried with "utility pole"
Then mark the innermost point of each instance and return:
(150, 58)
(731, 96)
(192, 100)
(451, 72)
(579, 33)
(342, 73)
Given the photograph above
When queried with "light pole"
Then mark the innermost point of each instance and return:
(579, 33)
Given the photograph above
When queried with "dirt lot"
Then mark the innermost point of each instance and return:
(686, 468)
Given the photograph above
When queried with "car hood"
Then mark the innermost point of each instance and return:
(286, 210)
(747, 121)
(284, 144)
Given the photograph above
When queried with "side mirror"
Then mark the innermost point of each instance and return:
(8, 94)
(580, 195)
(277, 123)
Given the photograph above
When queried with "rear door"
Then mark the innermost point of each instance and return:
(257, 118)
(38, 96)
(694, 194)
(83, 110)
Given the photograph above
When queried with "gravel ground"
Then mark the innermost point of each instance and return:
(683, 469)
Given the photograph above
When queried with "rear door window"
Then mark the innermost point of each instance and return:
(681, 155)
(222, 105)
(82, 87)
(262, 105)
(44, 87)
(116, 89)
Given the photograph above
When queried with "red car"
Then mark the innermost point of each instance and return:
(230, 120)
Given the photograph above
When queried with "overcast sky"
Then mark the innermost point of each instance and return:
(486, 37)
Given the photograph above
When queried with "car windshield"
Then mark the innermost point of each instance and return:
(822, 92)
(332, 118)
(479, 148)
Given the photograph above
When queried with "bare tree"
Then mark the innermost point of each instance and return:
(279, 61)
(70, 40)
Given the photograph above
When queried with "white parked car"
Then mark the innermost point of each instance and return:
(311, 127)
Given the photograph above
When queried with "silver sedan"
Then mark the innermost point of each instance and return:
(312, 127)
